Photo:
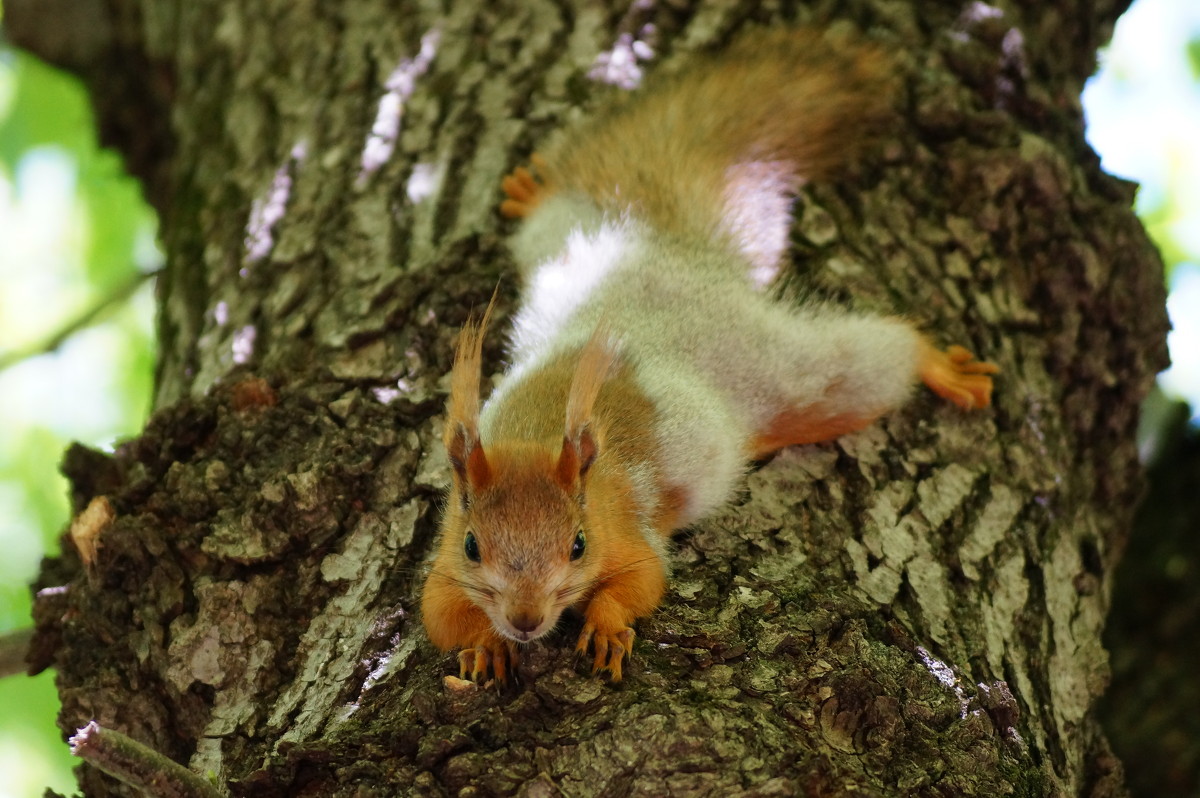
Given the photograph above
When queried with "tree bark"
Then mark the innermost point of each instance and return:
(913, 610)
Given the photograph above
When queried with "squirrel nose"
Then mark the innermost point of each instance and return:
(525, 621)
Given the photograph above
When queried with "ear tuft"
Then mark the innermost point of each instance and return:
(580, 445)
(596, 361)
(461, 432)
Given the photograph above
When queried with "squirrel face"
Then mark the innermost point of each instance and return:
(522, 539)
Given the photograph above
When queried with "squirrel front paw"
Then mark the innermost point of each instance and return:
(495, 653)
(610, 648)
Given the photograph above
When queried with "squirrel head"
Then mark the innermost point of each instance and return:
(519, 527)
(518, 520)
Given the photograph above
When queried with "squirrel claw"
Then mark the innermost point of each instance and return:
(500, 655)
(610, 649)
(523, 189)
(957, 376)
(966, 363)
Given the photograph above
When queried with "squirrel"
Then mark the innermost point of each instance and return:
(648, 368)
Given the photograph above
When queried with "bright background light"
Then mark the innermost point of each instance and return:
(1143, 112)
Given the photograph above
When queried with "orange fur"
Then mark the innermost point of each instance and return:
(795, 426)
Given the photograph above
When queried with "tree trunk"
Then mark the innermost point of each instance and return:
(915, 609)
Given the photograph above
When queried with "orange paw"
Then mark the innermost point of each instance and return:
(500, 655)
(610, 648)
(957, 376)
(523, 189)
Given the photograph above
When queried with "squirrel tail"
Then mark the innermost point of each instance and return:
(693, 153)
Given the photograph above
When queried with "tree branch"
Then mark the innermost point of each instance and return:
(84, 320)
(13, 646)
(137, 765)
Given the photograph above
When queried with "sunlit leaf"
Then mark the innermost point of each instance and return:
(48, 107)
(1193, 56)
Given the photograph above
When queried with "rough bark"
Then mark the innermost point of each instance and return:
(915, 609)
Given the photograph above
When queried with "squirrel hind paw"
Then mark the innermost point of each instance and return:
(498, 655)
(609, 648)
(956, 375)
(523, 191)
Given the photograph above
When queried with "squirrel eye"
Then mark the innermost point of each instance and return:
(579, 545)
(471, 547)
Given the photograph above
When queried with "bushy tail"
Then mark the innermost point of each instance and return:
(777, 108)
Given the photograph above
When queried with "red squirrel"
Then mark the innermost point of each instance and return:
(647, 365)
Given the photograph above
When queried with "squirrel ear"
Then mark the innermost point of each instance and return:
(470, 463)
(579, 443)
(575, 459)
(461, 433)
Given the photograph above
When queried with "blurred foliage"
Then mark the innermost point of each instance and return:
(76, 234)
(1164, 205)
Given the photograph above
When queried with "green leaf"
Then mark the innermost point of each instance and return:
(1193, 57)
(48, 107)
